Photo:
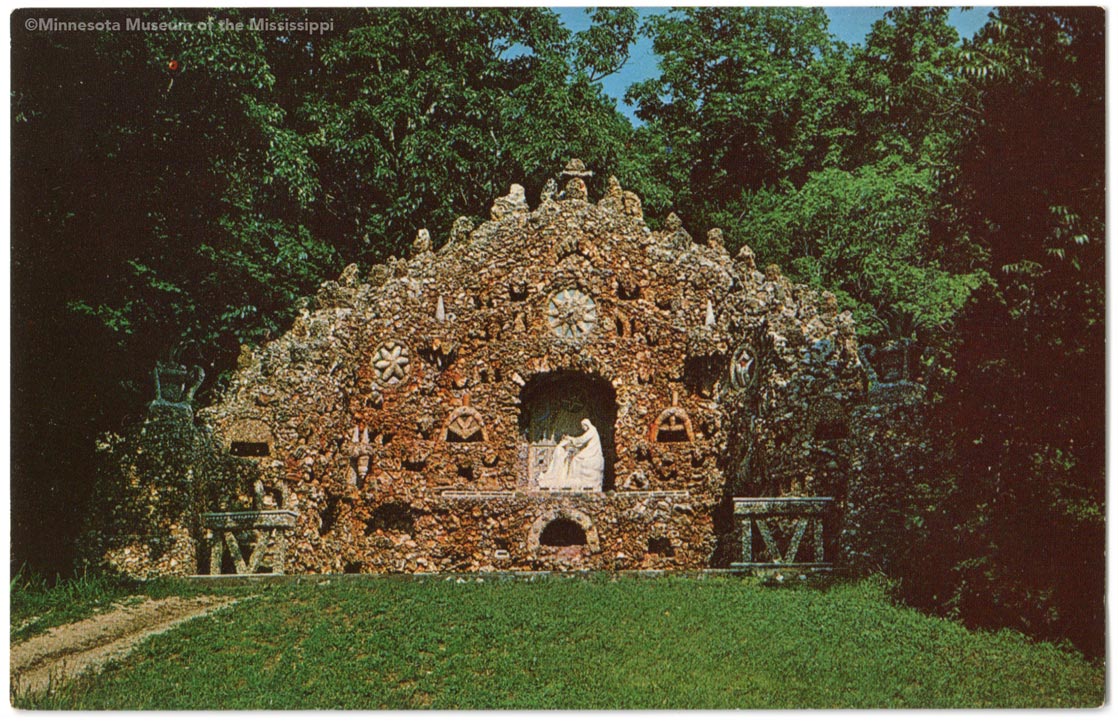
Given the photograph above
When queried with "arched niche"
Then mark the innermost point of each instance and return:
(553, 529)
(562, 533)
(553, 405)
(673, 425)
(465, 425)
(249, 438)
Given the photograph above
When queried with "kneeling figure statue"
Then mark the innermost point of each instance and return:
(576, 462)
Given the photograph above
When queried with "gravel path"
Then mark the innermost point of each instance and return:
(84, 646)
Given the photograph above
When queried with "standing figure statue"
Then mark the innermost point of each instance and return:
(577, 462)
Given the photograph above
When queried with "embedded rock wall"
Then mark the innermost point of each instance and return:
(409, 413)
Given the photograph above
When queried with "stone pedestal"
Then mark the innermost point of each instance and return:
(773, 531)
(261, 531)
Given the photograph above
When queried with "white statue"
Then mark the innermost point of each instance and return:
(576, 462)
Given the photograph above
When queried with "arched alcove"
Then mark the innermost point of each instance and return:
(553, 405)
(561, 528)
(250, 438)
(562, 532)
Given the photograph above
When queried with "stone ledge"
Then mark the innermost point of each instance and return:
(558, 493)
(793, 566)
(792, 505)
(454, 494)
(653, 494)
(250, 579)
(238, 520)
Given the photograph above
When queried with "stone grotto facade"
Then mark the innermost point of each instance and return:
(559, 388)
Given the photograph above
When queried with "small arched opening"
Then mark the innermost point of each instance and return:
(565, 529)
(661, 546)
(250, 438)
(562, 533)
(553, 406)
(831, 421)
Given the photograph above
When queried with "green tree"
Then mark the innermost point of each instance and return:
(186, 189)
(836, 163)
(907, 92)
(160, 195)
(865, 235)
(603, 48)
(736, 98)
(1027, 415)
(424, 115)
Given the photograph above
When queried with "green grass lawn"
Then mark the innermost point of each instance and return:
(595, 642)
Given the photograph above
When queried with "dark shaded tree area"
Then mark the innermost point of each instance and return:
(180, 212)
(1026, 415)
(951, 193)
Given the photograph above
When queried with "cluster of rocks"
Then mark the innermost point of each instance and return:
(407, 414)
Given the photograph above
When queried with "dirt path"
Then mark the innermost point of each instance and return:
(84, 646)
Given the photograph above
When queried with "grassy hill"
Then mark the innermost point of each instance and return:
(594, 642)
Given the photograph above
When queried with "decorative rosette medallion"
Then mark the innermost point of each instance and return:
(391, 362)
(571, 314)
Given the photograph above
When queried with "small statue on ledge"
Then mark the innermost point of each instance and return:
(175, 385)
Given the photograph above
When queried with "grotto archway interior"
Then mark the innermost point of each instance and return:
(553, 405)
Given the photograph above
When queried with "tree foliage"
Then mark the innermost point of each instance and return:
(178, 193)
(836, 163)
(737, 96)
(1027, 413)
(866, 236)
